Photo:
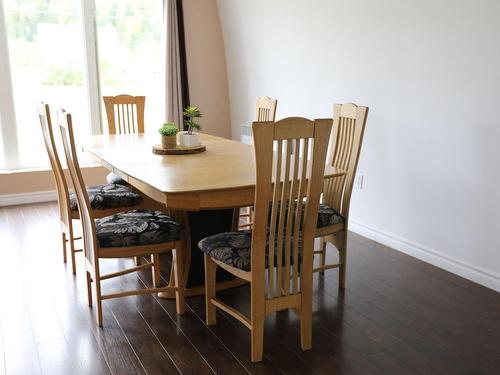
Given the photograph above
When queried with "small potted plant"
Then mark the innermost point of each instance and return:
(168, 133)
(190, 138)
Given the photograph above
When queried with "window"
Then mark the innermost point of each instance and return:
(130, 53)
(48, 61)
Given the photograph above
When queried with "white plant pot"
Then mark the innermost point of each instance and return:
(189, 140)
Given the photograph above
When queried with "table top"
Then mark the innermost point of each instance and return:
(222, 176)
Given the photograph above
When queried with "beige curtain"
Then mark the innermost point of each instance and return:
(173, 82)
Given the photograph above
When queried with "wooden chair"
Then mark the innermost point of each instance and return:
(126, 234)
(265, 110)
(118, 197)
(282, 239)
(125, 114)
(333, 216)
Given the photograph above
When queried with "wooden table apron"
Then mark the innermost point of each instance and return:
(201, 190)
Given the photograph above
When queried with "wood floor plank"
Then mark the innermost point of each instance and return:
(218, 356)
(390, 364)
(148, 349)
(185, 355)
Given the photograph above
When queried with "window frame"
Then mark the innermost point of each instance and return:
(8, 123)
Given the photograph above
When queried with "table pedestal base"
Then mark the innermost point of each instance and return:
(198, 225)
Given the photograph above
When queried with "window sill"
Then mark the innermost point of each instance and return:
(42, 169)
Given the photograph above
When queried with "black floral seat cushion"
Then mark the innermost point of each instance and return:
(112, 178)
(328, 216)
(234, 248)
(108, 196)
(136, 228)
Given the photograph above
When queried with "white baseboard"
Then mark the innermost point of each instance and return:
(26, 198)
(436, 258)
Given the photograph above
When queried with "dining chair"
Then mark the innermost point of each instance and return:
(125, 234)
(333, 213)
(105, 199)
(125, 115)
(282, 239)
(265, 110)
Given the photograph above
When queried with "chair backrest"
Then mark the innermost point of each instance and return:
(265, 109)
(84, 208)
(125, 114)
(347, 136)
(55, 163)
(288, 190)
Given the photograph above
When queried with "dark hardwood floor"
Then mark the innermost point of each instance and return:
(398, 315)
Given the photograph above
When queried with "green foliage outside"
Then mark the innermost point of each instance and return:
(64, 77)
(134, 21)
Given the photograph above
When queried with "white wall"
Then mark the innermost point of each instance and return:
(430, 73)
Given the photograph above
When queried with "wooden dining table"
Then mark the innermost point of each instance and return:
(203, 191)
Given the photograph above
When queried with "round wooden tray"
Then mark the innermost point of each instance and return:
(179, 150)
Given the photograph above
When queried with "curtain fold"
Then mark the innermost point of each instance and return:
(173, 77)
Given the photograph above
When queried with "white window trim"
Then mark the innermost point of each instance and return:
(91, 61)
(7, 110)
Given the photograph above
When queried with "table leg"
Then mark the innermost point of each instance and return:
(198, 225)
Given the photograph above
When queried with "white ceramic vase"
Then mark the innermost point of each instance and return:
(189, 140)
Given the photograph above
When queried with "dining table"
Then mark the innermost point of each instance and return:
(204, 191)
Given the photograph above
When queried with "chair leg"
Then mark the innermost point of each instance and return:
(155, 259)
(210, 281)
(343, 261)
(65, 256)
(258, 317)
(257, 339)
(99, 303)
(306, 285)
(97, 285)
(137, 261)
(306, 322)
(178, 257)
(89, 288)
(73, 253)
(322, 255)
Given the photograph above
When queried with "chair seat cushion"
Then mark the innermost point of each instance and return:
(112, 178)
(136, 228)
(108, 196)
(328, 216)
(234, 248)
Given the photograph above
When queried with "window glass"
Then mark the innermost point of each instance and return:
(130, 53)
(47, 63)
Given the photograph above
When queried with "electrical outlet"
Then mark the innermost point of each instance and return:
(359, 181)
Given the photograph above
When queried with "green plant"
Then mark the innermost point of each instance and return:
(64, 77)
(191, 112)
(168, 129)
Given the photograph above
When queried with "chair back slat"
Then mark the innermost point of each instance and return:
(125, 114)
(287, 195)
(347, 136)
(84, 208)
(265, 109)
(55, 163)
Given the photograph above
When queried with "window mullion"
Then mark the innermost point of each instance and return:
(91, 64)
(7, 110)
